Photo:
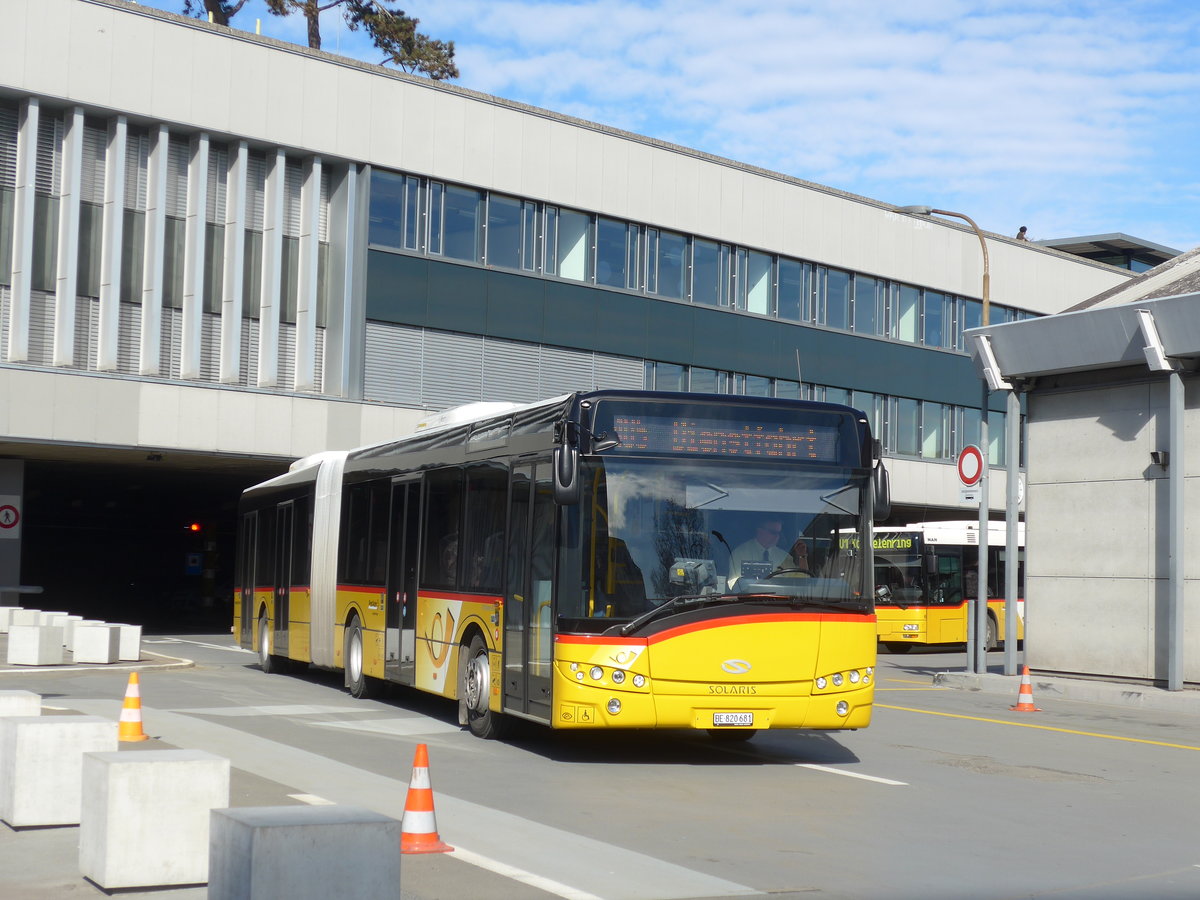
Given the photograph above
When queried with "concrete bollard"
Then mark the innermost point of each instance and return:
(40, 766)
(20, 703)
(23, 616)
(145, 816)
(73, 626)
(130, 647)
(96, 644)
(46, 617)
(303, 853)
(35, 645)
(6, 617)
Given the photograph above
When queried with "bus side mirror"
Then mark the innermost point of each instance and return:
(881, 491)
(931, 563)
(567, 489)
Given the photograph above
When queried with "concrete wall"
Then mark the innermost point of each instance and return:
(70, 408)
(128, 58)
(1097, 566)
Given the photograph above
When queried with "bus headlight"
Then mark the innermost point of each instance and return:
(618, 676)
(579, 676)
(854, 676)
(614, 706)
(843, 708)
(821, 682)
(837, 679)
(639, 681)
(597, 673)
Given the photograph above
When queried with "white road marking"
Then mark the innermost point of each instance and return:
(312, 799)
(848, 774)
(394, 727)
(535, 881)
(233, 647)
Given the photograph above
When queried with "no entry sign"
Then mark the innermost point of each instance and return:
(970, 465)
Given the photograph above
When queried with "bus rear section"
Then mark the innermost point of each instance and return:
(737, 669)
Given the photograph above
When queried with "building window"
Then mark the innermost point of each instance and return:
(904, 312)
(754, 282)
(936, 317)
(505, 232)
(710, 273)
(905, 426)
(571, 250)
(616, 253)
(868, 317)
(462, 224)
(666, 269)
(935, 430)
(835, 304)
(795, 287)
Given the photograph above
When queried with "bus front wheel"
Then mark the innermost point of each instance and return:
(358, 683)
(474, 688)
(992, 638)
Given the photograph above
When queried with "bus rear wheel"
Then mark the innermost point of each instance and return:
(474, 688)
(268, 663)
(992, 640)
(357, 681)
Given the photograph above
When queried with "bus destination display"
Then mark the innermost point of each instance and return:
(718, 437)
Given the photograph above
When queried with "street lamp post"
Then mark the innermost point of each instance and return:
(977, 629)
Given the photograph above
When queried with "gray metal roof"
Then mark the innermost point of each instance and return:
(1114, 242)
(1101, 337)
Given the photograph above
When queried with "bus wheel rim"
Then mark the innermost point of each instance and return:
(477, 676)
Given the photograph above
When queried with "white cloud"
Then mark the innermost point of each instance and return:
(999, 106)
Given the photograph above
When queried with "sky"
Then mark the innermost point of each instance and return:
(1072, 118)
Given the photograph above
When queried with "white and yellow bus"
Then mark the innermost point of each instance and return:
(566, 562)
(926, 575)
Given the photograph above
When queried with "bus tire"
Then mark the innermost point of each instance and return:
(357, 681)
(474, 689)
(991, 641)
(268, 663)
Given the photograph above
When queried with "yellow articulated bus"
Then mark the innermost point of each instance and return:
(599, 560)
(927, 574)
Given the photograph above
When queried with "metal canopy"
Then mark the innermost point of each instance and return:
(1094, 338)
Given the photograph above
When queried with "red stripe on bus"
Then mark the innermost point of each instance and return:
(712, 623)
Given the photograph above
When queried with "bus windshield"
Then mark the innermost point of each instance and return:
(651, 530)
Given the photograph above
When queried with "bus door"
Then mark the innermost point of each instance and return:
(401, 618)
(246, 576)
(285, 518)
(528, 622)
(948, 609)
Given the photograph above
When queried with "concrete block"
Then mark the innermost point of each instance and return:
(41, 764)
(67, 622)
(130, 647)
(303, 853)
(46, 617)
(35, 645)
(73, 627)
(22, 616)
(145, 816)
(20, 703)
(96, 643)
(6, 617)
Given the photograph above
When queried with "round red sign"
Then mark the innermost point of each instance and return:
(970, 465)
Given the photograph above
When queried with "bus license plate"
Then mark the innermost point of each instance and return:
(733, 719)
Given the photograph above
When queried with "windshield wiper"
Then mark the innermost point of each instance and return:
(673, 603)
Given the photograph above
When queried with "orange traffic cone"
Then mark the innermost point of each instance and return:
(130, 728)
(418, 828)
(1025, 696)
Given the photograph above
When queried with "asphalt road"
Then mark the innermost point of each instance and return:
(949, 793)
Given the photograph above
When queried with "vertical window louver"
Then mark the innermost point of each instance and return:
(49, 152)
